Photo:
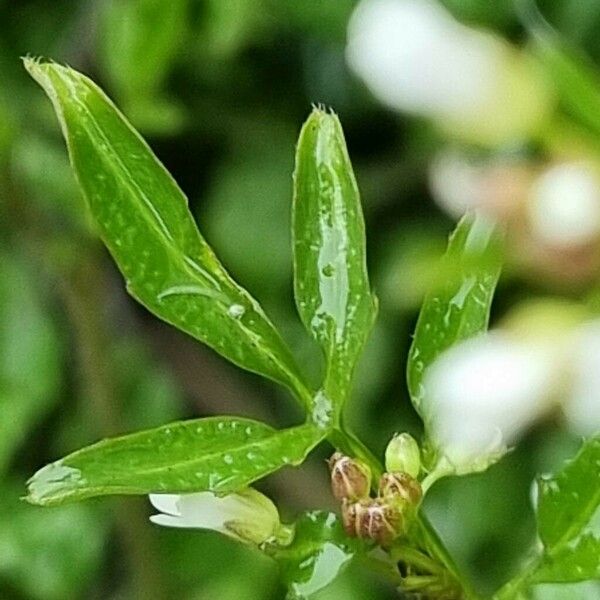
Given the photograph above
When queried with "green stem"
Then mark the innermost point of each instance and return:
(415, 558)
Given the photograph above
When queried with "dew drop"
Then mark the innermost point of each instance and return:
(236, 311)
(328, 270)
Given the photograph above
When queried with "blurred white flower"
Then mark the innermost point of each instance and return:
(484, 393)
(564, 205)
(495, 186)
(248, 516)
(414, 56)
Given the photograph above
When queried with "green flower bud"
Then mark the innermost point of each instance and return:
(402, 455)
(350, 477)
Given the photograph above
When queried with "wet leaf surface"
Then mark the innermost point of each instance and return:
(218, 454)
(331, 283)
(459, 305)
(569, 499)
(144, 220)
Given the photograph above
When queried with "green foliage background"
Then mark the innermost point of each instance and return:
(220, 89)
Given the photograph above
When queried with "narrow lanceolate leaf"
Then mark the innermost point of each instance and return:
(217, 454)
(459, 305)
(144, 220)
(330, 274)
(319, 552)
(569, 500)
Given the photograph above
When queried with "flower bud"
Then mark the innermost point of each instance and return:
(401, 487)
(350, 478)
(402, 455)
(373, 519)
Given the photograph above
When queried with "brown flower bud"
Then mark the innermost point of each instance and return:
(373, 519)
(400, 486)
(350, 478)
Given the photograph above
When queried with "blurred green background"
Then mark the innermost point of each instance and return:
(219, 88)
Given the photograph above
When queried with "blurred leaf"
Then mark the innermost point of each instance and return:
(250, 195)
(29, 356)
(228, 26)
(47, 178)
(318, 553)
(458, 307)
(48, 554)
(568, 500)
(325, 20)
(225, 569)
(577, 562)
(145, 222)
(138, 41)
(331, 283)
(150, 394)
(218, 454)
(573, 75)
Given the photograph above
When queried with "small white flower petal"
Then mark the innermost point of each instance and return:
(166, 503)
(564, 206)
(248, 515)
(167, 521)
(483, 393)
(415, 56)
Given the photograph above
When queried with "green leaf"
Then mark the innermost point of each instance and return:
(572, 562)
(568, 517)
(573, 75)
(318, 553)
(568, 500)
(218, 454)
(29, 356)
(330, 273)
(144, 220)
(138, 42)
(458, 307)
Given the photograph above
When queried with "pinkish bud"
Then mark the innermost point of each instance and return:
(373, 519)
(350, 478)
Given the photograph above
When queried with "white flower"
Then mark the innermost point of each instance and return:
(484, 393)
(248, 516)
(416, 57)
(564, 205)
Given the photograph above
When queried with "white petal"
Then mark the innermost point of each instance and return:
(483, 393)
(166, 503)
(415, 56)
(583, 408)
(564, 207)
(167, 521)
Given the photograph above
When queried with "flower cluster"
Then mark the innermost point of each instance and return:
(383, 518)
